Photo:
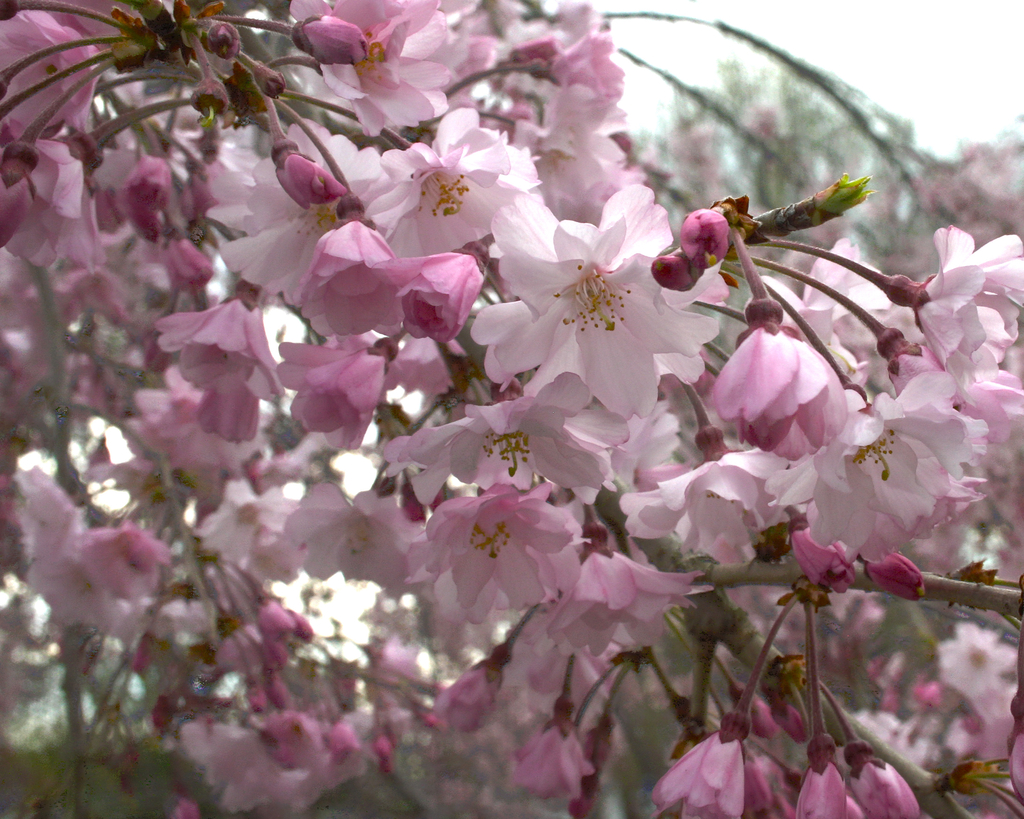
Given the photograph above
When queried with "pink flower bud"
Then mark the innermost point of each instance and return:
(543, 48)
(331, 40)
(822, 795)
(708, 780)
(824, 565)
(342, 742)
(465, 704)
(306, 182)
(146, 192)
(223, 40)
(897, 575)
(704, 238)
(437, 293)
(883, 793)
(675, 272)
(187, 266)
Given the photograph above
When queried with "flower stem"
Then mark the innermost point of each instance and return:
(743, 706)
(862, 315)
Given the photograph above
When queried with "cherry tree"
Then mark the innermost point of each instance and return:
(377, 440)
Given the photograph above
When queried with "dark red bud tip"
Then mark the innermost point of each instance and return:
(280, 151)
(675, 273)
(223, 40)
(8, 8)
(710, 441)
(891, 344)
(350, 208)
(906, 292)
(763, 312)
(735, 726)
(858, 754)
(19, 160)
(270, 82)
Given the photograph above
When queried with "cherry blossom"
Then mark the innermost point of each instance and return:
(550, 434)
(588, 303)
(445, 195)
(395, 83)
(708, 780)
(500, 550)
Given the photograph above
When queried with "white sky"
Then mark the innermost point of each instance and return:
(955, 74)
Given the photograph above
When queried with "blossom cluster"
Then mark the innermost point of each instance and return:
(571, 407)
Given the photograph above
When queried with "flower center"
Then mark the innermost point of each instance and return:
(491, 543)
(597, 303)
(509, 446)
(320, 219)
(374, 54)
(446, 193)
(877, 452)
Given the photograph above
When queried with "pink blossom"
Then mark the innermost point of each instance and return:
(897, 575)
(187, 266)
(618, 599)
(781, 394)
(708, 780)
(224, 351)
(715, 508)
(330, 40)
(124, 560)
(588, 62)
(61, 220)
(247, 529)
(822, 794)
(225, 340)
(825, 565)
(339, 386)
(552, 764)
(145, 194)
(501, 549)
(883, 793)
(347, 289)
(26, 33)
(466, 703)
(366, 539)
(550, 434)
(893, 473)
(306, 182)
(395, 83)
(15, 201)
(438, 293)
(280, 234)
(704, 238)
(588, 304)
(446, 194)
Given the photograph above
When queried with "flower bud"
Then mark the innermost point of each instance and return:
(704, 238)
(270, 82)
(187, 266)
(897, 575)
(675, 272)
(306, 182)
(330, 40)
(19, 160)
(222, 39)
(210, 97)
